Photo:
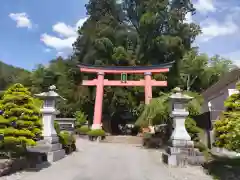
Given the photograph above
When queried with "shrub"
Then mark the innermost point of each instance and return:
(157, 112)
(227, 128)
(57, 127)
(81, 118)
(68, 141)
(20, 121)
(83, 130)
(199, 145)
(96, 132)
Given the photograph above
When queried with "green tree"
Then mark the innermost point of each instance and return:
(130, 33)
(10, 75)
(199, 71)
(20, 122)
(227, 129)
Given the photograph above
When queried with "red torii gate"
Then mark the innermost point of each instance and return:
(100, 82)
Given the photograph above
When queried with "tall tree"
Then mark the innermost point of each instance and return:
(199, 71)
(134, 32)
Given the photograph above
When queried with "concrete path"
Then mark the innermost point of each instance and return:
(103, 161)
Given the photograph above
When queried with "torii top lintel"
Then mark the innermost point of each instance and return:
(161, 68)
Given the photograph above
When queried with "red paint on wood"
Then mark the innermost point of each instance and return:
(94, 82)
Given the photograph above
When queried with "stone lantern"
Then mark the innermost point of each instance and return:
(180, 136)
(50, 144)
(180, 141)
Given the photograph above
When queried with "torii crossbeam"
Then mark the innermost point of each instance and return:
(100, 82)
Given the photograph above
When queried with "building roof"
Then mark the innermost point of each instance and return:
(228, 78)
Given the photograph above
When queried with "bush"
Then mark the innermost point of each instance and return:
(20, 121)
(199, 145)
(83, 130)
(227, 128)
(81, 118)
(57, 127)
(157, 112)
(68, 141)
(96, 133)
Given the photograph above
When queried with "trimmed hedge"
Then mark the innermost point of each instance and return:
(68, 141)
(83, 130)
(96, 132)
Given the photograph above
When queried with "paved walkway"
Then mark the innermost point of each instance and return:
(102, 161)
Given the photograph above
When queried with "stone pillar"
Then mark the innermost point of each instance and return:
(148, 87)
(181, 148)
(50, 144)
(97, 120)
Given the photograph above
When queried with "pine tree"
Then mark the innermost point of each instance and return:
(20, 121)
(227, 128)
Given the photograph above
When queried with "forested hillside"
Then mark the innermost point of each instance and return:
(10, 74)
(130, 33)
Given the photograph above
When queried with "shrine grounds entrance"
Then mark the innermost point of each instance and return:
(100, 82)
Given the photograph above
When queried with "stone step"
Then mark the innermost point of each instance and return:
(123, 139)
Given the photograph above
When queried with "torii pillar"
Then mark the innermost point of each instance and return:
(148, 87)
(98, 102)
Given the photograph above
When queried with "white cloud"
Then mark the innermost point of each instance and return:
(64, 30)
(188, 18)
(66, 36)
(56, 42)
(211, 28)
(205, 6)
(21, 19)
(80, 22)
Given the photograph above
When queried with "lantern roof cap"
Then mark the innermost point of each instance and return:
(50, 93)
(178, 95)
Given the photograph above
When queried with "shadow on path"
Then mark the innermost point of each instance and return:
(224, 168)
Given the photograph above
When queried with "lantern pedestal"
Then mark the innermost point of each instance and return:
(50, 144)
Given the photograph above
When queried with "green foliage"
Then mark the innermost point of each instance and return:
(83, 130)
(68, 141)
(57, 127)
(199, 71)
(195, 132)
(158, 112)
(227, 128)
(81, 118)
(96, 133)
(20, 122)
(10, 75)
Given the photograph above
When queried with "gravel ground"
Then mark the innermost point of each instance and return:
(105, 161)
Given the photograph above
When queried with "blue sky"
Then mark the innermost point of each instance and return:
(35, 32)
